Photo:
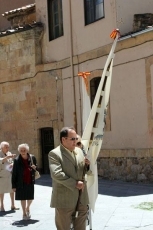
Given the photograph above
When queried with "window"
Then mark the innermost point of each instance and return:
(94, 10)
(94, 83)
(55, 19)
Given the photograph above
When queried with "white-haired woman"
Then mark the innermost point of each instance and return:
(6, 164)
(23, 179)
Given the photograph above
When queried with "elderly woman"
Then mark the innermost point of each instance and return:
(23, 179)
(6, 164)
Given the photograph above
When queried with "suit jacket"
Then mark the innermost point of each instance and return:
(3, 166)
(18, 169)
(5, 175)
(65, 172)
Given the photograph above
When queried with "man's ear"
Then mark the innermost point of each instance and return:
(63, 139)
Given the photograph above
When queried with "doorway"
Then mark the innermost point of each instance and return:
(47, 143)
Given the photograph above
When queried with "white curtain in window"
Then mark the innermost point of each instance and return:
(99, 11)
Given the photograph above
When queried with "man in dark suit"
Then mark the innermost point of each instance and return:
(66, 164)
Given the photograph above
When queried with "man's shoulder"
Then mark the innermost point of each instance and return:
(55, 150)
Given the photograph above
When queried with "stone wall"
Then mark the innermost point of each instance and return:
(28, 94)
(142, 21)
(134, 169)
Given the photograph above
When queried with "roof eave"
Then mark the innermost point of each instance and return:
(133, 35)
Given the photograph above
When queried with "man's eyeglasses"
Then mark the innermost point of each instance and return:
(72, 138)
(78, 144)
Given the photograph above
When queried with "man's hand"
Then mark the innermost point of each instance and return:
(79, 185)
(87, 162)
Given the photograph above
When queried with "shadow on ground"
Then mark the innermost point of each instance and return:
(123, 189)
(44, 180)
(2, 214)
(110, 188)
(23, 223)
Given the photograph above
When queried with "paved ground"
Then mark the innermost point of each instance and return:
(120, 206)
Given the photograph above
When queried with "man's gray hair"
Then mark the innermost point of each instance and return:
(3, 143)
(25, 146)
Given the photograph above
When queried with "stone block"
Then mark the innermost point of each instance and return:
(130, 153)
(27, 106)
(104, 163)
(129, 162)
(3, 64)
(3, 56)
(10, 135)
(8, 107)
(135, 169)
(23, 69)
(143, 161)
(104, 153)
(117, 153)
(141, 177)
(147, 170)
(142, 21)
(151, 152)
(15, 46)
(151, 164)
(101, 172)
(130, 178)
(111, 162)
(103, 51)
(150, 178)
(4, 75)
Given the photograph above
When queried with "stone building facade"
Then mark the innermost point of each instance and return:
(30, 96)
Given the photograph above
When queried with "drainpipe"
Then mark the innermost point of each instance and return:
(72, 68)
